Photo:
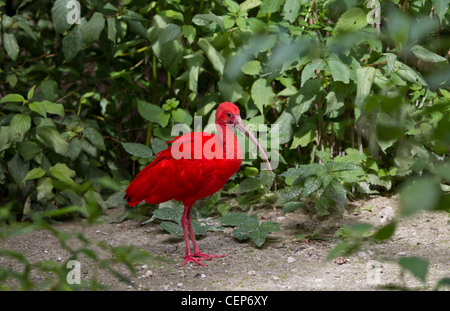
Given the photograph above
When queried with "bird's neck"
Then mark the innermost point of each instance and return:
(231, 147)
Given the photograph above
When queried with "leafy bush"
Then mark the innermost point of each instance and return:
(107, 90)
(361, 103)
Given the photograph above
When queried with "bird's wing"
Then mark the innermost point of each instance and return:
(167, 178)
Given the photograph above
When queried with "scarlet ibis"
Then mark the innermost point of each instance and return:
(208, 162)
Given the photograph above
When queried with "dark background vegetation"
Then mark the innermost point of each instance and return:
(362, 104)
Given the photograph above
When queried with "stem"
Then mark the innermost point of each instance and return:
(155, 81)
(149, 133)
(169, 80)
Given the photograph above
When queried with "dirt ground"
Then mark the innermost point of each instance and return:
(284, 263)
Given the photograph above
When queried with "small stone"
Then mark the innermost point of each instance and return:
(180, 284)
(59, 259)
(401, 253)
(203, 275)
(144, 267)
(166, 287)
(148, 273)
(361, 254)
(386, 214)
(318, 280)
(275, 278)
(290, 259)
(251, 272)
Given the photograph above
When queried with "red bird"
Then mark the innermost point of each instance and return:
(195, 166)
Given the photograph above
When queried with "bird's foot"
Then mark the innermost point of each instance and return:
(203, 256)
(198, 256)
(192, 258)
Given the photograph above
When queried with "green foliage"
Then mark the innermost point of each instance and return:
(106, 90)
(249, 227)
(170, 213)
(362, 105)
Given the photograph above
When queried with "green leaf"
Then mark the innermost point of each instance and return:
(418, 194)
(149, 111)
(312, 183)
(172, 227)
(34, 173)
(239, 219)
(206, 19)
(416, 265)
(111, 28)
(305, 135)
(309, 71)
(251, 68)
(31, 93)
(11, 45)
(292, 206)
(12, 98)
(441, 8)
(18, 169)
(138, 150)
(352, 20)
(163, 118)
(92, 29)
(333, 102)
(248, 184)
(60, 12)
(168, 213)
(339, 250)
(74, 149)
(364, 80)
(262, 94)
(426, 55)
(44, 189)
(136, 26)
(189, 33)
(266, 179)
(168, 34)
(72, 43)
(194, 62)
(63, 173)
(216, 59)
(270, 6)
(94, 137)
(28, 150)
(51, 136)
(230, 90)
(249, 4)
(45, 107)
(285, 122)
(339, 70)
(409, 74)
(20, 124)
(200, 228)
(290, 10)
(385, 232)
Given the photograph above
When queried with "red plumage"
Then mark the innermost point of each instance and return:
(195, 166)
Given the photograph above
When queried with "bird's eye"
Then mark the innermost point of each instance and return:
(229, 115)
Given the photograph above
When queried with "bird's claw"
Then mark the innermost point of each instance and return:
(204, 256)
(198, 256)
(192, 258)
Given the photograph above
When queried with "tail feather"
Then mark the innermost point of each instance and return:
(141, 187)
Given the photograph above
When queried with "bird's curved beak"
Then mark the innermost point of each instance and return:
(241, 127)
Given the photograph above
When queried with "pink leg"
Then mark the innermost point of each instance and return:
(188, 231)
(185, 224)
(197, 252)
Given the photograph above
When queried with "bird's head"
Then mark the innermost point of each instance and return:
(228, 114)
